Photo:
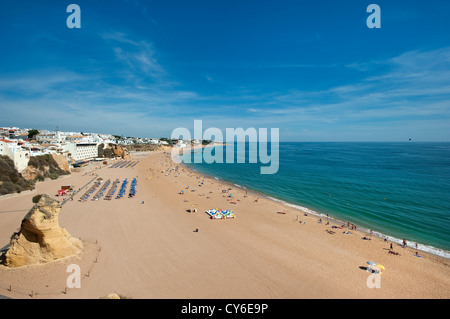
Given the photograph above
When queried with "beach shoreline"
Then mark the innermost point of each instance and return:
(150, 248)
(303, 209)
(366, 229)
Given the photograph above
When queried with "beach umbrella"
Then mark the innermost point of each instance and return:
(371, 263)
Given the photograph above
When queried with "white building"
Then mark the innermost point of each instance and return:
(15, 152)
(127, 141)
(155, 141)
(182, 143)
(46, 138)
(77, 139)
(80, 151)
(107, 139)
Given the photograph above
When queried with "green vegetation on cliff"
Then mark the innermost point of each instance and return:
(47, 167)
(106, 152)
(11, 181)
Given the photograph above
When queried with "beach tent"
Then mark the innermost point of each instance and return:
(220, 214)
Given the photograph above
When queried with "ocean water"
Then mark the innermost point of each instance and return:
(397, 190)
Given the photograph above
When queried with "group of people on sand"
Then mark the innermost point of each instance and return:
(404, 245)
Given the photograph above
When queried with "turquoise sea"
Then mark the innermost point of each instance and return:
(398, 190)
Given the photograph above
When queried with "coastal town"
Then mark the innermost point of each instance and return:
(66, 150)
(77, 147)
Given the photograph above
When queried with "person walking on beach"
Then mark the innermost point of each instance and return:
(390, 247)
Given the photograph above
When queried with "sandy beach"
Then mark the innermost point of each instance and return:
(148, 246)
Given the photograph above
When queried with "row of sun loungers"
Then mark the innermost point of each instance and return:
(124, 164)
(122, 189)
(110, 194)
(133, 188)
(102, 190)
(90, 191)
(112, 190)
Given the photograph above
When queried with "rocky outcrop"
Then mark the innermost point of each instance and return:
(30, 173)
(121, 152)
(50, 165)
(40, 238)
(11, 181)
(112, 150)
(144, 147)
(62, 162)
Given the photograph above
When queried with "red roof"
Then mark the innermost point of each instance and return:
(6, 141)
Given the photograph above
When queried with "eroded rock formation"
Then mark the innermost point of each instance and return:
(51, 165)
(40, 238)
(112, 150)
(62, 162)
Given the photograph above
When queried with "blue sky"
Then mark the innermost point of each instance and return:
(313, 69)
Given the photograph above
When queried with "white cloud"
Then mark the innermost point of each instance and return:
(138, 55)
(412, 93)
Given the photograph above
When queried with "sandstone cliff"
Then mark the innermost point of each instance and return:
(40, 238)
(11, 181)
(121, 151)
(148, 148)
(112, 150)
(62, 162)
(40, 167)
